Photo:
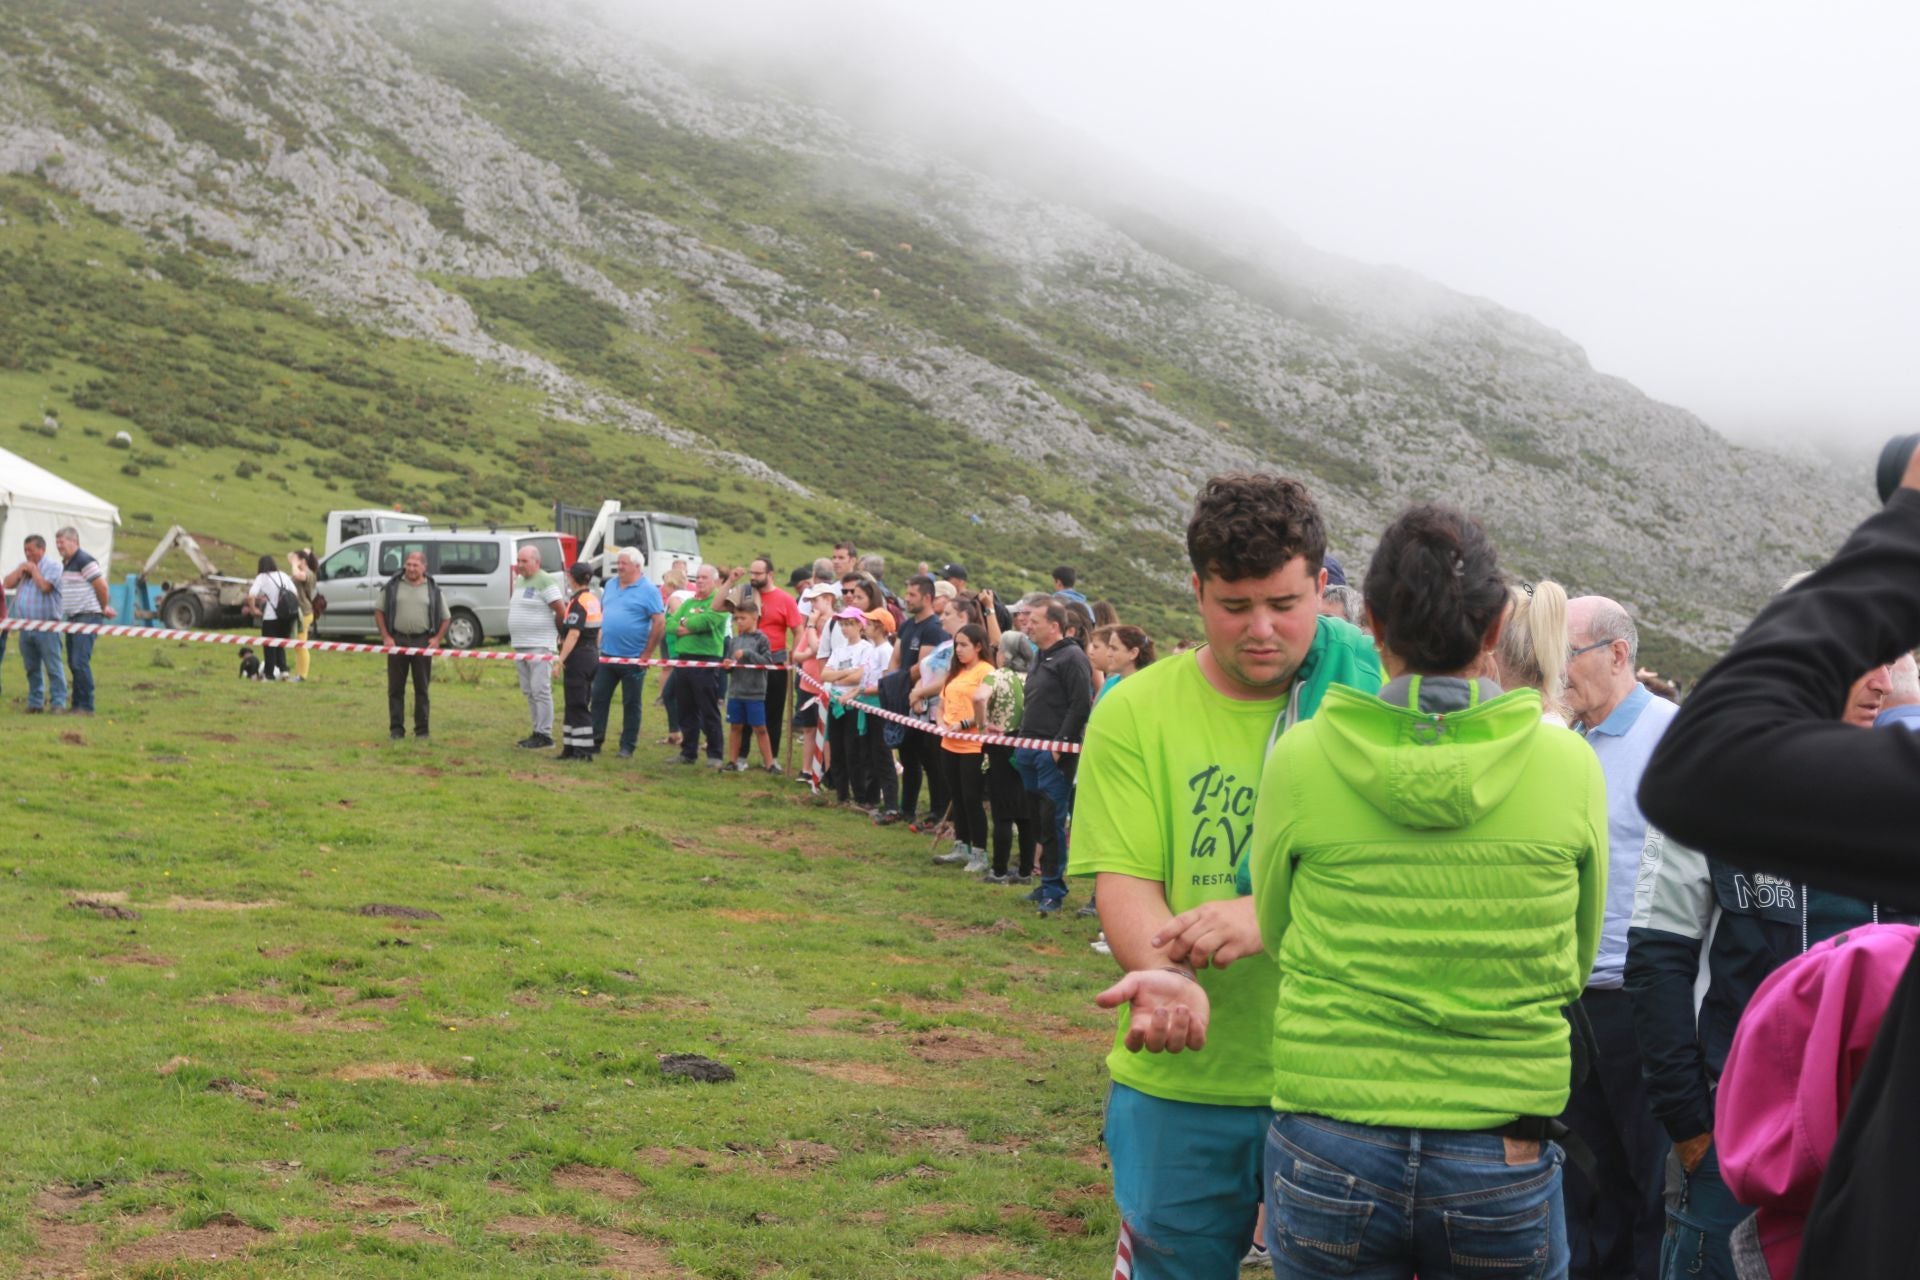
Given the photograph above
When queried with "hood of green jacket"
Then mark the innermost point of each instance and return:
(1425, 771)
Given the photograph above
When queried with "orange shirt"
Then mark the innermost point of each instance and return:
(956, 704)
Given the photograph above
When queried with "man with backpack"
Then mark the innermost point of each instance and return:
(411, 614)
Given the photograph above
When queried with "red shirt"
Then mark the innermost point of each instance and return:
(779, 615)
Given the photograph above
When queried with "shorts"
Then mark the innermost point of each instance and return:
(1187, 1181)
(750, 712)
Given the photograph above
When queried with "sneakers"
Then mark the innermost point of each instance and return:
(626, 753)
(1257, 1258)
(775, 768)
(534, 741)
(394, 735)
(1090, 910)
(976, 864)
(953, 857)
(885, 818)
(1051, 906)
(1099, 947)
(996, 877)
(740, 766)
(715, 762)
(686, 759)
(1038, 890)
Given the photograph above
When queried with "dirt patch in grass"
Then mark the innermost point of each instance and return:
(985, 1005)
(795, 1157)
(611, 1183)
(276, 953)
(1052, 1221)
(217, 737)
(138, 956)
(964, 1044)
(256, 1002)
(215, 904)
(625, 1255)
(948, 930)
(221, 1238)
(854, 1072)
(375, 1204)
(754, 915)
(104, 907)
(957, 1244)
(694, 1157)
(946, 1140)
(391, 911)
(63, 1199)
(1045, 949)
(61, 1250)
(897, 958)
(401, 1072)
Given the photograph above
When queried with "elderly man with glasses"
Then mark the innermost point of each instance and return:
(1614, 1227)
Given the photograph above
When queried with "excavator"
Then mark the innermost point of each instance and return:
(211, 600)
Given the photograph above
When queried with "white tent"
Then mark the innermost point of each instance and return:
(34, 500)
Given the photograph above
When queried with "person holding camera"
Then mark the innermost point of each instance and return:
(1758, 771)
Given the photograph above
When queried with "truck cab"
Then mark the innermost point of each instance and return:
(345, 526)
(660, 537)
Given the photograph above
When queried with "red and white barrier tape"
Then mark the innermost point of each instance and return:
(507, 655)
(345, 646)
(808, 683)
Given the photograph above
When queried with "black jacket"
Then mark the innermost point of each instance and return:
(1059, 694)
(1757, 770)
(1756, 923)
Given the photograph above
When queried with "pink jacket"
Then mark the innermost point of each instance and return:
(1801, 1044)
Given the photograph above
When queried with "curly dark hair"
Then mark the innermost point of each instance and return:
(1434, 588)
(1246, 525)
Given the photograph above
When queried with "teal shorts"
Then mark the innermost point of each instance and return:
(1187, 1181)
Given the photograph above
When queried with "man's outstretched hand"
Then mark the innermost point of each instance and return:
(1169, 1010)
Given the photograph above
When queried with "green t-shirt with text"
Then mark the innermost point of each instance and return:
(1166, 790)
(1168, 778)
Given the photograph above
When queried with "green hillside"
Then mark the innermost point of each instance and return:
(251, 415)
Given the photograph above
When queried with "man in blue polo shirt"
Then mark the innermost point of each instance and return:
(1614, 1228)
(632, 623)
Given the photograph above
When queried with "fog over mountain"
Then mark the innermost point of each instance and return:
(1710, 197)
(1060, 298)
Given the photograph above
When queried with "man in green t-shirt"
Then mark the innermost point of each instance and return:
(1164, 817)
(699, 631)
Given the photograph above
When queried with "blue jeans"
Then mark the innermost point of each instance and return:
(80, 661)
(1186, 1179)
(1384, 1203)
(1701, 1216)
(40, 651)
(632, 683)
(1040, 773)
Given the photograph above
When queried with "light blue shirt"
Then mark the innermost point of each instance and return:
(1624, 741)
(1907, 717)
(29, 601)
(626, 618)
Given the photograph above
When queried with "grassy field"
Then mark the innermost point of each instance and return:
(213, 1061)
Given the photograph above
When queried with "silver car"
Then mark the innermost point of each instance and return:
(474, 570)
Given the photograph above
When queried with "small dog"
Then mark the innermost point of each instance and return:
(249, 665)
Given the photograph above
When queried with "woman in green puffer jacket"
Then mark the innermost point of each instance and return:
(1429, 870)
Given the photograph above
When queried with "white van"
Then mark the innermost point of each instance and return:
(344, 526)
(474, 570)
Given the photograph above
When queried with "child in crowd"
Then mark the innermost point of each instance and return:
(747, 689)
(579, 659)
(842, 675)
(881, 786)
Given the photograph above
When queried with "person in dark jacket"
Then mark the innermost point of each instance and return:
(411, 614)
(1749, 924)
(1059, 697)
(579, 661)
(1756, 771)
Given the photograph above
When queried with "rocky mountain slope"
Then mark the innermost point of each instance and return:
(845, 320)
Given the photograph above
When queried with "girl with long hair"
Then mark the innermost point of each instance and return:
(965, 782)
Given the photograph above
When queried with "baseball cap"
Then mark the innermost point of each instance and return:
(944, 590)
(883, 617)
(954, 571)
(1336, 573)
(849, 614)
(819, 589)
